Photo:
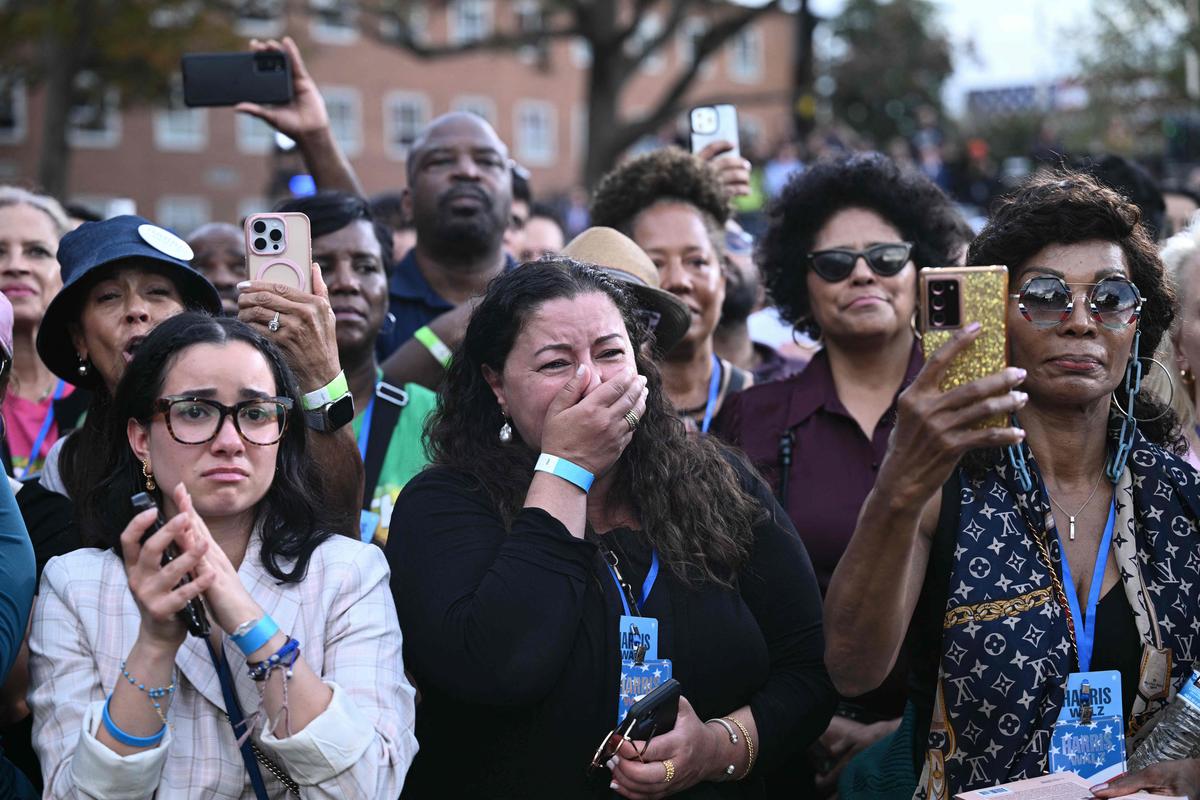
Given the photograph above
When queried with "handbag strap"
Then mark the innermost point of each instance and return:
(385, 418)
(237, 721)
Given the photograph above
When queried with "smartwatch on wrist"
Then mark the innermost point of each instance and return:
(330, 407)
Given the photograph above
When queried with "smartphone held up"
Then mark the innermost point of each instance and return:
(226, 79)
(279, 249)
(954, 297)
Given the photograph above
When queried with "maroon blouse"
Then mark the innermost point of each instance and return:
(833, 467)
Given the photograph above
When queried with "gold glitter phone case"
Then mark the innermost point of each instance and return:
(982, 296)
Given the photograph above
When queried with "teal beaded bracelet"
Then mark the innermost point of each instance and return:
(155, 694)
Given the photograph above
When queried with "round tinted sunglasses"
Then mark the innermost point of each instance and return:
(1047, 301)
(884, 259)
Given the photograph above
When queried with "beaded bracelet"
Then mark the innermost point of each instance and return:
(261, 670)
(155, 694)
(128, 739)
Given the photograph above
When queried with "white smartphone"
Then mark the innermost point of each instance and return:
(714, 124)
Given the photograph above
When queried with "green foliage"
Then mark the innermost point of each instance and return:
(134, 45)
(892, 58)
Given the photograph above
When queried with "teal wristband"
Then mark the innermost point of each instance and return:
(254, 636)
(128, 739)
(570, 472)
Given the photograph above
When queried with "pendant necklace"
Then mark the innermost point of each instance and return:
(1071, 517)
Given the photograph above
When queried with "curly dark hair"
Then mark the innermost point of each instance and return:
(329, 212)
(663, 175)
(294, 523)
(904, 197)
(699, 539)
(1064, 207)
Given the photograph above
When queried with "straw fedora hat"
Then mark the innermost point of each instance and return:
(618, 255)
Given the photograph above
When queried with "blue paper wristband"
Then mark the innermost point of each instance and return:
(257, 636)
(568, 471)
(127, 739)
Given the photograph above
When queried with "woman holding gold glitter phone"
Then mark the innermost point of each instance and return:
(1022, 557)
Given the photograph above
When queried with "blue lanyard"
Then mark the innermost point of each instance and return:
(1085, 634)
(364, 433)
(714, 387)
(45, 431)
(647, 585)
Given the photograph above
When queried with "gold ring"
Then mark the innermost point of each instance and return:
(669, 765)
(633, 420)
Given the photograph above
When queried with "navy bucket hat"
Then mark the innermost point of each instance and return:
(91, 253)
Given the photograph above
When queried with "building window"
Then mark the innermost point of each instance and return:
(333, 21)
(259, 18)
(477, 104)
(579, 131)
(537, 140)
(470, 20)
(178, 128)
(530, 20)
(581, 52)
(344, 106)
(648, 29)
(400, 22)
(182, 213)
(14, 114)
(405, 115)
(253, 135)
(94, 119)
(690, 32)
(746, 56)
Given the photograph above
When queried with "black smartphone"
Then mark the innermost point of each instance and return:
(193, 614)
(655, 713)
(226, 79)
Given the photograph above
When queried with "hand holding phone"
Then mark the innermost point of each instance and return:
(279, 249)
(193, 614)
(654, 714)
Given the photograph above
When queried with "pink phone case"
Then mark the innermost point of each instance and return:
(292, 265)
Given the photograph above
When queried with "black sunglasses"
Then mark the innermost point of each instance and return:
(835, 265)
(1047, 301)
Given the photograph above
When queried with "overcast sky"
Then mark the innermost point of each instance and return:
(1014, 41)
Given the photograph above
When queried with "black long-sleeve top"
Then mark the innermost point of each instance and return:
(511, 637)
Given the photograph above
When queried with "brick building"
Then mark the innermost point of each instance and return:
(188, 166)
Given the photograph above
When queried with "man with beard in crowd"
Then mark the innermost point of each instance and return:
(458, 197)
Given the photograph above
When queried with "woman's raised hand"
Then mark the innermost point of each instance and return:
(586, 422)
(935, 428)
(225, 595)
(156, 588)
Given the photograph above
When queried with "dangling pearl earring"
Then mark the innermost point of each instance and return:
(506, 432)
(150, 484)
(82, 369)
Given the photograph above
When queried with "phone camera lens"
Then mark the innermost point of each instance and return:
(938, 288)
(260, 243)
(939, 319)
(939, 304)
(260, 226)
(276, 235)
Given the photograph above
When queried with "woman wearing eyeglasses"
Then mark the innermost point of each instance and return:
(840, 260)
(1062, 543)
(286, 672)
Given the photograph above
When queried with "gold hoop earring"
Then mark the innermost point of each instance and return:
(912, 323)
(150, 484)
(1166, 405)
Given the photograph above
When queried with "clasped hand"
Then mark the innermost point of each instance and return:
(157, 589)
(691, 747)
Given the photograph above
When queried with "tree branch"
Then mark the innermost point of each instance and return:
(706, 45)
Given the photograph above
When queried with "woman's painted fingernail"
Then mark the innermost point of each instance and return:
(1099, 788)
(579, 370)
(974, 326)
(613, 786)
(242, 285)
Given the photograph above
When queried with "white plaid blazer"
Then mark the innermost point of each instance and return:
(85, 622)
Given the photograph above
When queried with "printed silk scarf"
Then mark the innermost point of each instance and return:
(1006, 650)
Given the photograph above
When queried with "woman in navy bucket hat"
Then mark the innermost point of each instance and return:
(121, 277)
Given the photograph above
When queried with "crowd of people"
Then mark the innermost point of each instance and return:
(431, 527)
